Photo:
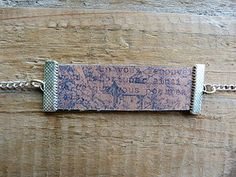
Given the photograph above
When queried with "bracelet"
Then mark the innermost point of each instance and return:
(120, 88)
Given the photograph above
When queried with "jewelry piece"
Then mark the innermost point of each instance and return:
(120, 88)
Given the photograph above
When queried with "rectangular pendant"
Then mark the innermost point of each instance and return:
(122, 88)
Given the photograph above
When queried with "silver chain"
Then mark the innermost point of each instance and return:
(212, 88)
(22, 85)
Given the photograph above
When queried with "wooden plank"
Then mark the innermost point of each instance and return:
(216, 7)
(33, 143)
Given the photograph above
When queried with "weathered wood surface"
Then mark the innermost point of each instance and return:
(33, 143)
(203, 7)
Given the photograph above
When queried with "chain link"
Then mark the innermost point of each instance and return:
(22, 85)
(212, 88)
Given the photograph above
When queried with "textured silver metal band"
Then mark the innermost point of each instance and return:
(197, 88)
(50, 86)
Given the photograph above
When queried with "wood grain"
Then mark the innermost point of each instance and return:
(203, 7)
(33, 143)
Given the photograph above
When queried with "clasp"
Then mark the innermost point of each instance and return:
(35, 83)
